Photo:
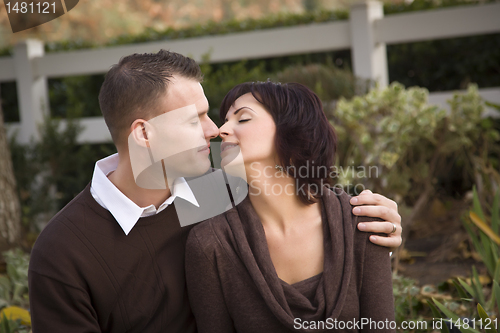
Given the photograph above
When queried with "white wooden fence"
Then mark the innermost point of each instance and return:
(366, 33)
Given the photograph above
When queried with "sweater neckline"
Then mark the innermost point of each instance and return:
(283, 299)
(143, 221)
(308, 280)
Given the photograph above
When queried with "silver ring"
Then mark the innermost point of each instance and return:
(393, 228)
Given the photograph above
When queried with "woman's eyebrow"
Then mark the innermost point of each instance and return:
(243, 107)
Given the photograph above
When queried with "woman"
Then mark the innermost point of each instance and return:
(289, 257)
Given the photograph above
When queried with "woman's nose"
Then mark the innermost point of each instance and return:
(224, 130)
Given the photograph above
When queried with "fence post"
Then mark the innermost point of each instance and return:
(369, 58)
(32, 93)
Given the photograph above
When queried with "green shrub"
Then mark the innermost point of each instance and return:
(12, 326)
(437, 65)
(51, 172)
(412, 146)
(75, 96)
(219, 79)
(407, 300)
(328, 81)
(14, 285)
(484, 306)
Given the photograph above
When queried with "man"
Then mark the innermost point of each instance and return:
(112, 260)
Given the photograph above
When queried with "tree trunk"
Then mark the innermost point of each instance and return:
(10, 208)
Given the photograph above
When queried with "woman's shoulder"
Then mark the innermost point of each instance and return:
(360, 239)
(337, 194)
(209, 234)
(344, 199)
(338, 201)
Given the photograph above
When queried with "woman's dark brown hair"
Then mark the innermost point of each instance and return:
(305, 141)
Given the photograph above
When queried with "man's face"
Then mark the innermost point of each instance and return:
(175, 143)
(182, 92)
(179, 136)
(185, 139)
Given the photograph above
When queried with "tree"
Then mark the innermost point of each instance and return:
(10, 208)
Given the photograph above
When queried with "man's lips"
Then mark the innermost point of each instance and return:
(227, 145)
(204, 148)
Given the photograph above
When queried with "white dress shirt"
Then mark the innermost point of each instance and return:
(124, 210)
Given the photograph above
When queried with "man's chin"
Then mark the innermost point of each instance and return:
(191, 171)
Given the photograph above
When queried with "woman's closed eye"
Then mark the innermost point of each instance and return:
(243, 120)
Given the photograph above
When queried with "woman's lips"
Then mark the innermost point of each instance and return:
(227, 145)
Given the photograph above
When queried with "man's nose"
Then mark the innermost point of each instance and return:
(210, 130)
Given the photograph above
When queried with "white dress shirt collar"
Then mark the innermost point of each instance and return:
(124, 210)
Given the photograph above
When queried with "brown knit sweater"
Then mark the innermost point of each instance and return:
(233, 286)
(86, 275)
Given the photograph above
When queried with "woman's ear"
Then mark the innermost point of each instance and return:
(141, 132)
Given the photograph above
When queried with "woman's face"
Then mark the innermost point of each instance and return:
(248, 128)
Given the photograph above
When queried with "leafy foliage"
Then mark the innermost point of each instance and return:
(414, 146)
(75, 96)
(448, 64)
(12, 326)
(419, 5)
(230, 23)
(437, 65)
(327, 81)
(14, 285)
(8, 98)
(486, 240)
(17, 319)
(407, 299)
(53, 171)
(210, 28)
(218, 80)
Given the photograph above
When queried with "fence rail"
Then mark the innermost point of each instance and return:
(438, 24)
(366, 33)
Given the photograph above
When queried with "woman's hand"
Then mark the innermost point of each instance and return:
(376, 205)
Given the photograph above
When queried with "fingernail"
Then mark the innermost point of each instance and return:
(362, 226)
(356, 210)
(354, 201)
(373, 238)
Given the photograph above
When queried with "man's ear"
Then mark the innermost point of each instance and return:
(141, 132)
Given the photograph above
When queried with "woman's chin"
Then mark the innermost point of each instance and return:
(229, 157)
